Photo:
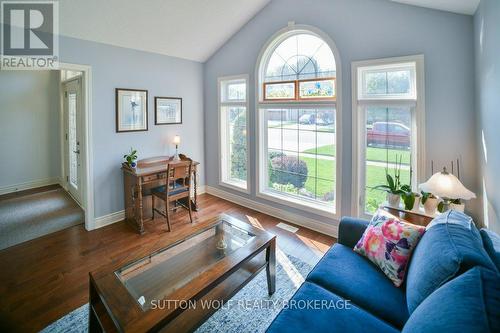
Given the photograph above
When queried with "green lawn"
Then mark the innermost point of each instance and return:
(375, 176)
(372, 153)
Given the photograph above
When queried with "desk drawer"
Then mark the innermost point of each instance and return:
(150, 178)
(153, 178)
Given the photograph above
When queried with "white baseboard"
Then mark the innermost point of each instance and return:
(202, 189)
(29, 185)
(306, 222)
(105, 220)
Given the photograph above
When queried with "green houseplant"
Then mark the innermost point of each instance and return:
(411, 199)
(393, 185)
(430, 202)
(131, 158)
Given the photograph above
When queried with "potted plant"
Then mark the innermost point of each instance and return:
(393, 186)
(455, 204)
(430, 203)
(131, 158)
(411, 199)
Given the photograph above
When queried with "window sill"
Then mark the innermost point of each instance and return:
(301, 204)
(236, 185)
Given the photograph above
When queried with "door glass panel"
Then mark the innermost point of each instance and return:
(72, 140)
(388, 142)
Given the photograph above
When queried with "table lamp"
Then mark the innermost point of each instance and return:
(177, 141)
(446, 186)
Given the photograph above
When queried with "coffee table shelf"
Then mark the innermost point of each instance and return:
(211, 261)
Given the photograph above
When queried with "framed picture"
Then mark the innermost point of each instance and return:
(168, 110)
(131, 110)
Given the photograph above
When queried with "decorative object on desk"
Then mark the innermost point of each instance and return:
(220, 233)
(447, 187)
(131, 110)
(131, 158)
(168, 110)
(393, 185)
(430, 202)
(177, 141)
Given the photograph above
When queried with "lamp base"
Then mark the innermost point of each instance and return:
(176, 157)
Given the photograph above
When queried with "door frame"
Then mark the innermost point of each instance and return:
(86, 147)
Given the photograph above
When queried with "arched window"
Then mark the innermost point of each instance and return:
(297, 104)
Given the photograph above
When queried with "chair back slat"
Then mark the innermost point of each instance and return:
(179, 173)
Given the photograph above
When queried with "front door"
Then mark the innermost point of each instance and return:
(73, 137)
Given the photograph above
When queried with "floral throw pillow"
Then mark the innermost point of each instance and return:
(388, 243)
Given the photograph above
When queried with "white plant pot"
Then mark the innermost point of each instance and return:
(393, 200)
(416, 205)
(431, 205)
(458, 207)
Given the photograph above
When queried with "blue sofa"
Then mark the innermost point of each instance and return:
(452, 285)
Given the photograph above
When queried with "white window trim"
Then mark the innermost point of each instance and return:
(260, 161)
(234, 185)
(358, 139)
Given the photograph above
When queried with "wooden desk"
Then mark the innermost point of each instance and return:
(137, 181)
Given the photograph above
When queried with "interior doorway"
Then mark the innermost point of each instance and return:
(72, 93)
(76, 136)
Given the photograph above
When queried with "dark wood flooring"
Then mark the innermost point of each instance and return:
(44, 279)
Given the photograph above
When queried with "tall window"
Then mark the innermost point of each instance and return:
(233, 106)
(389, 113)
(297, 102)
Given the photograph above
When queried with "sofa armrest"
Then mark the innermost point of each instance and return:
(350, 230)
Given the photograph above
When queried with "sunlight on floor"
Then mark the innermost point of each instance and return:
(289, 268)
(317, 246)
(255, 222)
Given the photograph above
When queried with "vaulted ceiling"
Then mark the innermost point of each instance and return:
(190, 29)
(455, 6)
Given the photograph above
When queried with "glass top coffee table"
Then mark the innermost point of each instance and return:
(210, 261)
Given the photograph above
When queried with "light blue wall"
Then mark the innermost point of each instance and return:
(366, 29)
(487, 57)
(115, 67)
(29, 128)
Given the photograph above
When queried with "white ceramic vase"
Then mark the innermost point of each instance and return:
(416, 205)
(431, 205)
(393, 200)
(458, 207)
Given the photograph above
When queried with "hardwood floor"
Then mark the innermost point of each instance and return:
(44, 279)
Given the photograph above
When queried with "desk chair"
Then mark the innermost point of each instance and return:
(177, 186)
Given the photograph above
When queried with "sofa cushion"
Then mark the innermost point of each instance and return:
(468, 303)
(450, 246)
(388, 243)
(334, 315)
(353, 277)
(491, 242)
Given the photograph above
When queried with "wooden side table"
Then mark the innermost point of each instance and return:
(408, 216)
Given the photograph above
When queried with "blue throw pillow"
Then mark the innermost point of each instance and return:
(491, 243)
(450, 246)
(468, 303)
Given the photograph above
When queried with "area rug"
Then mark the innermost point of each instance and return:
(250, 310)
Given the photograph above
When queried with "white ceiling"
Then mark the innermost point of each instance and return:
(190, 29)
(456, 6)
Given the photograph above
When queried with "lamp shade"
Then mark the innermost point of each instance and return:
(177, 140)
(446, 185)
